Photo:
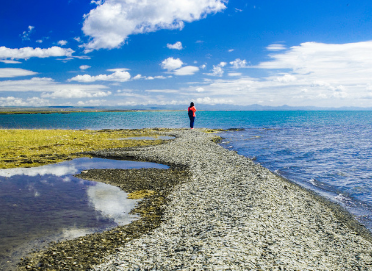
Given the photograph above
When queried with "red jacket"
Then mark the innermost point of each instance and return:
(193, 109)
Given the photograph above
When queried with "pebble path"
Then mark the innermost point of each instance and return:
(237, 215)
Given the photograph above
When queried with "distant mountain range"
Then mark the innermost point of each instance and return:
(200, 107)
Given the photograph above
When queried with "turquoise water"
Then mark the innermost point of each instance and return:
(328, 152)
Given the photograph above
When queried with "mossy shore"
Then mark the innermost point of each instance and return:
(30, 148)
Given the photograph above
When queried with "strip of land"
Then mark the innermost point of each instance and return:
(37, 147)
(228, 213)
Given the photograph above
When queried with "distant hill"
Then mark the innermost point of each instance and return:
(200, 107)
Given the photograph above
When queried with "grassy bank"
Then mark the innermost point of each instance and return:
(28, 148)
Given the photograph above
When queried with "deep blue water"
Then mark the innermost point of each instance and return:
(326, 151)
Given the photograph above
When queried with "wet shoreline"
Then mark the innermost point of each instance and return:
(217, 209)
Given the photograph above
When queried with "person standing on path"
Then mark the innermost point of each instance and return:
(191, 110)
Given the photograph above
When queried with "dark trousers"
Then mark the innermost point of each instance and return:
(192, 119)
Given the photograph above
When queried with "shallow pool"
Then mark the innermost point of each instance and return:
(43, 204)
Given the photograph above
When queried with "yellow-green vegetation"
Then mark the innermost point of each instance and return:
(140, 194)
(28, 148)
(213, 131)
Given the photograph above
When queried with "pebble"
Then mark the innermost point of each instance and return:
(237, 215)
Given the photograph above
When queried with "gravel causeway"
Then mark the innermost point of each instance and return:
(235, 214)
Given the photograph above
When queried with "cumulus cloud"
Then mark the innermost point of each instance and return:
(13, 101)
(28, 52)
(26, 34)
(84, 67)
(286, 78)
(52, 89)
(14, 72)
(176, 46)
(171, 64)
(97, 2)
(175, 66)
(188, 70)
(110, 23)
(217, 69)
(118, 75)
(62, 42)
(316, 57)
(238, 63)
(69, 93)
(308, 74)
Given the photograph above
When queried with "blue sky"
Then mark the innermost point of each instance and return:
(170, 52)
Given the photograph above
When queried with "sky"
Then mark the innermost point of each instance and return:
(130, 53)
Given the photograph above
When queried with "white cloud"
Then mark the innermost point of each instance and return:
(119, 75)
(231, 50)
(176, 46)
(12, 101)
(111, 23)
(238, 63)
(78, 39)
(96, 2)
(213, 101)
(26, 34)
(10, 61)
(48, 86)
(313, 57)
(39, 41)
(199, 89)
(286, 78)
(62, 42)
(28, 52)
(161, 91)
(276, 47)
(14, 72)
(171, 64)
(217, 69)
(188, 70)
(75, 93)
(203, 66)
(139, 76)
(329, 75)
(234, 74)
(84, 67)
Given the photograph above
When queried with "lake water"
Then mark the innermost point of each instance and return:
(326, 151)
(43, 204)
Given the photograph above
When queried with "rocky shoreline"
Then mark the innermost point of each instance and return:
(231, 214)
